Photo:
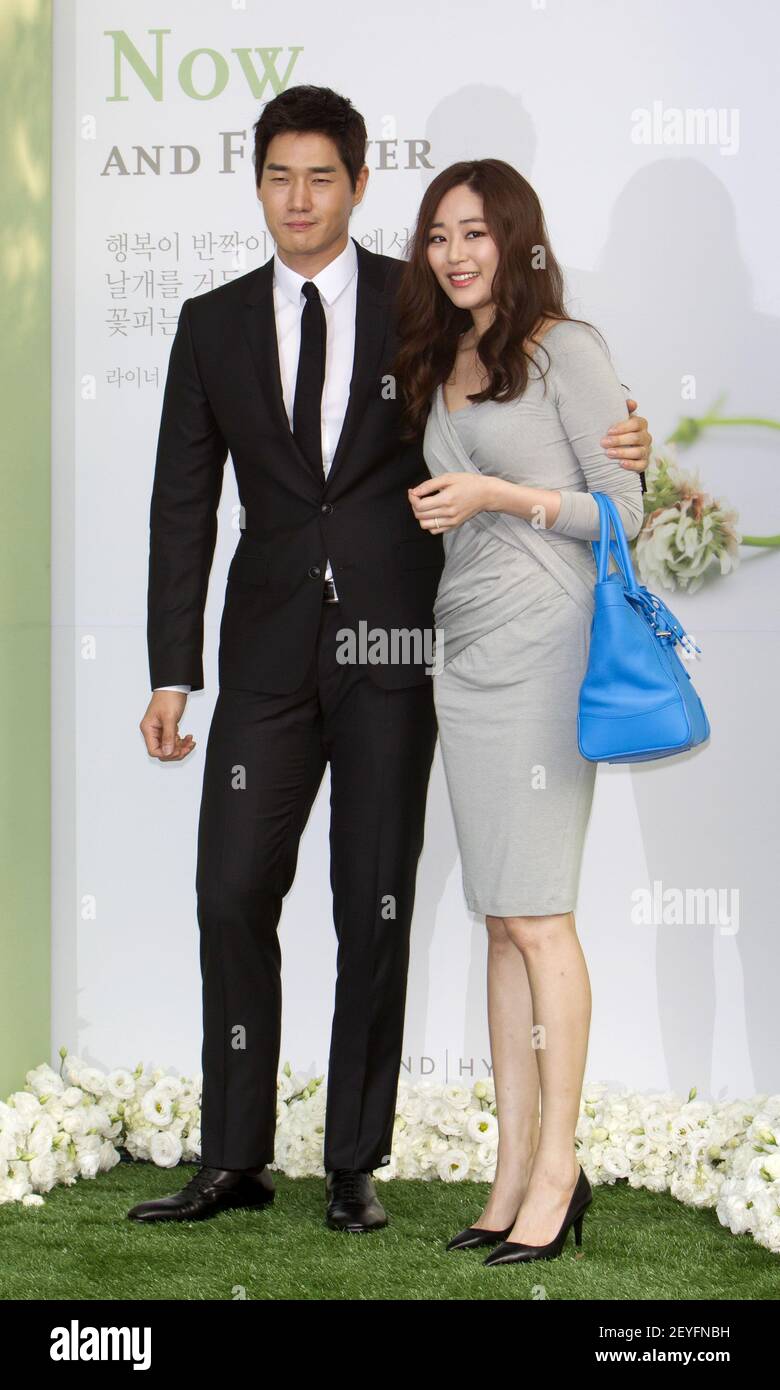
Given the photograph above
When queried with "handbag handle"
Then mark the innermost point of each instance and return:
(665, 625)
(604, 526)
(613, 549)
(609, 517)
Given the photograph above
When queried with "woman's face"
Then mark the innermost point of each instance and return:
(461, 252)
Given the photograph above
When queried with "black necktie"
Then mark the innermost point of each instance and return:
(307, 403)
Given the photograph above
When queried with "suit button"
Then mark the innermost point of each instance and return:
(314, 572)
(327, 507)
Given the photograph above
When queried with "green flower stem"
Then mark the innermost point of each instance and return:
(692, 426)
(742, 420)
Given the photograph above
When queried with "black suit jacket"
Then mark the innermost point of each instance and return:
(224, 393)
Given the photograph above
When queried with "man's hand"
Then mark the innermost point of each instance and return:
(160, 727)
(629, 441)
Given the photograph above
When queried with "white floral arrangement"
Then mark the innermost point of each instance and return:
(69, 1125)
(686, 535)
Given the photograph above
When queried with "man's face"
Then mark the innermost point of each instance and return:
(306, 194)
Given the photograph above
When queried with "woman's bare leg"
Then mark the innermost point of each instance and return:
(560, 990)
(515, 1074)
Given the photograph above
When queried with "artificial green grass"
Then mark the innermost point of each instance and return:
(636, 1245)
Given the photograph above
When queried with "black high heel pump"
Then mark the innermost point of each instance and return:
(515, 1252)
(475, 1236)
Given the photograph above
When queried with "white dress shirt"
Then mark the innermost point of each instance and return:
(337, 285)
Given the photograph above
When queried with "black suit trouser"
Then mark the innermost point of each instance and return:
(265, 758)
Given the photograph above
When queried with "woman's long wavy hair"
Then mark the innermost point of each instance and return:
(527, 286)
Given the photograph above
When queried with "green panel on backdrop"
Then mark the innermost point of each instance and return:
(25, 528)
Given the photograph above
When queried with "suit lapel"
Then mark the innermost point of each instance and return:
(371, 320)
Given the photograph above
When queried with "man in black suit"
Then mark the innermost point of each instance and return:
(289, 368)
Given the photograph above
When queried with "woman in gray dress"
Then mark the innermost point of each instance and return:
(516, 400)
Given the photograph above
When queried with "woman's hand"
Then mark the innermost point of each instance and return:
(450, 499)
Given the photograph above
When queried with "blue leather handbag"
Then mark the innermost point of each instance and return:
(637, 701)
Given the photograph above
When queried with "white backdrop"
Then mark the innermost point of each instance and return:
(671, 248)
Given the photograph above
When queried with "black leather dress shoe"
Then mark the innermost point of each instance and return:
(474, 1236)
(352, 1201)
(211, 1190)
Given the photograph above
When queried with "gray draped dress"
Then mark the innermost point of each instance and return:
(513, 614)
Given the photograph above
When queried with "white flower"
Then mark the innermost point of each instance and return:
(108, 1156)
(486, 1155)
(771, 1166)
(482, 1126)
(88, 1164)
(165, 1149)
(734, 1209)
(15, 1185)
(599, 1135)
(25, 1105)
(138, 1141)
(615, 1162)
(190, 1150)
(411, 1107)
(453, 1165)
(452, 1122)
(157, 1107)
(638, 1147)
(698, 1112)
(290, 1085)
(42, 1135)
(657, 1128)
(120, 1084)
(44, 1081)
(97, 1118)
(92, 1080)
(435, 1111)
(55, 1108)
(169, 1086)
(619, 1113)
(769, 1236)
(456, 1096)
(189, 1095)
(75, 1122)
(766, 1203)
(71, 1065)
(44, 1172)
(654, 1181)
(763, 1129)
